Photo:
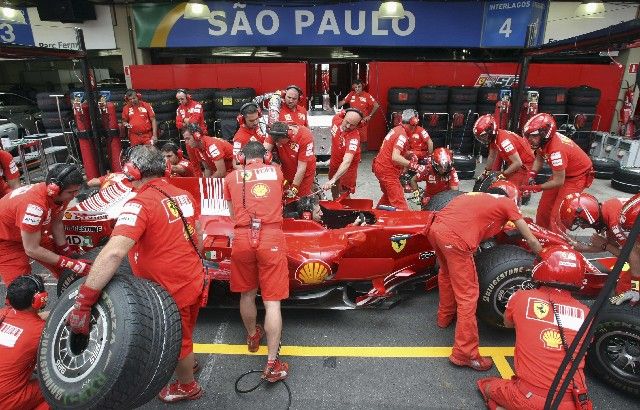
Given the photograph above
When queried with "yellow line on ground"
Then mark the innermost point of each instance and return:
(497, 353)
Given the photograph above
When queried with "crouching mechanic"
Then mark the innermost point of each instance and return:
(20, 328)
(258, 251)
(546, 320)
(439, 175)
(178, 165)
(215, 155)
(28, 215)
(583, 210)
(391, 160)
(294, 144)
(455, 238)
(504, 146)
(158, 229)
(571, 167)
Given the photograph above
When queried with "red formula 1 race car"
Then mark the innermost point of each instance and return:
(338, 265)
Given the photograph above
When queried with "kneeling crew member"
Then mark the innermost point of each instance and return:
(162, 248)
(583, 210)
(455, 238)
(214, 154)
(439, 176)
(179, 165)
(546, 320)
(20, 329)
(258, 252)
(28, 215)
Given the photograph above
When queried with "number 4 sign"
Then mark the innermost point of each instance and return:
(505, 23)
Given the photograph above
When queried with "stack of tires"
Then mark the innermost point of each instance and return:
(462, 115)
(432, 106)
(49, 108)
(129, 355)
(581, 107)
(400, 99)
(164, 105)
(553, 100)
(227, 103)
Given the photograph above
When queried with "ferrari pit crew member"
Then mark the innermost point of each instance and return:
(628, 215)
(392, 160)
(140, 119)
(504, 146)
(157, 228)
(295, 150)
(189, 111)
(345, 153)
(420, 143)
(28, 215)
(582, 210)
(439, 175)
(215, 155)
(546, 320)
(258, 252)
(572, 170)
(455, 237)
(290, 111)
(249, 120)
(20, 328)
(9, 174)
(363, 102)
(180, 166)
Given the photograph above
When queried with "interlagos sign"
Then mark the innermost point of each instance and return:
(339, 24)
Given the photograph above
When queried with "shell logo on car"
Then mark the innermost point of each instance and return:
(313, 272)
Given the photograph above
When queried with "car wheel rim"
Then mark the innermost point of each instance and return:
(75, 357)
(505, 290)
(619, 352)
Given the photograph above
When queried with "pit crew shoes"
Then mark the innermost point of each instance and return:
(253, 342)
(177, 391)
(481, 364)
(275, 370)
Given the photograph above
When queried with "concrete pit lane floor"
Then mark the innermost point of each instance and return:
(378, 359)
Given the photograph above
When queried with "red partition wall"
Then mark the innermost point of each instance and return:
(385, 75)
(263, 77)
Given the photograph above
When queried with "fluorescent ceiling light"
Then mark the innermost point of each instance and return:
(12, 15)
(391, 10)
(196, 10)
(590, 10)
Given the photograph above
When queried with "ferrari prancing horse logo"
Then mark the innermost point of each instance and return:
(540, 309)
(398, 246)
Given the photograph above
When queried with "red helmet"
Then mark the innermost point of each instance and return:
(560, 267)
(441, 161)
(541, 125)
(629, 212)
(508, 188)
(485, 129)
(580, 210)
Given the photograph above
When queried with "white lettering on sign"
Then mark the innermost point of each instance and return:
(6, 33)
(507, 5)
(267, 23)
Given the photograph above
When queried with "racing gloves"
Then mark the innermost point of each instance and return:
(291, 192)
(79, 266)
(531, 189)
(79, 319)
(414, 166)
(631, 296)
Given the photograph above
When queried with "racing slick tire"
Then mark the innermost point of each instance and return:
(441, 199)
(544, 174)
(433, 94)
(463, 95)
(105, 369)
(399, 95)
(501, 271)
(626, 180)
(614, 354)
(482, 184)
(604, 167)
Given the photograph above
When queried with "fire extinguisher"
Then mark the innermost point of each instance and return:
(626, 126)
(110, 124)
(529, 108)
(81, 116)
(503, 110)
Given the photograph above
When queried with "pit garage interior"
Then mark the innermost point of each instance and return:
(451, 61)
